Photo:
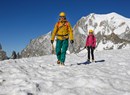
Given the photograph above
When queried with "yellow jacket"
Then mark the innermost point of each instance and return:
(62, 30)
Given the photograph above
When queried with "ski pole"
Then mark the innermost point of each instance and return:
(52, 51)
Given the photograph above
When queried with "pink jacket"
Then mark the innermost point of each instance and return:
(91, 40)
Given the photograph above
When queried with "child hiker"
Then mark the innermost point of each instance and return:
(90, 44)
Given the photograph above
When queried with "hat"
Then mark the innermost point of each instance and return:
(62, 14)
(90, 31)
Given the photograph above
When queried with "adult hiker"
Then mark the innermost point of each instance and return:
(63, 32)
(90, 44)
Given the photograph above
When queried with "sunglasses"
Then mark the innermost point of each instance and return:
(62, 17)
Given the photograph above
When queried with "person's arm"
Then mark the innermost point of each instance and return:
(54, 33)
(70, 32)
(94, 42)
(87, 41)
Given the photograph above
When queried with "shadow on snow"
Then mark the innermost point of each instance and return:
(88, 62)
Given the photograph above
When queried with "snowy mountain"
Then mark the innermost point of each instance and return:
(112, 31)
(38, 47)
(110, 75)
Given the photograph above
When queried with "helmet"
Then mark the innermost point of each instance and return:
(62, 14)
(90, 31)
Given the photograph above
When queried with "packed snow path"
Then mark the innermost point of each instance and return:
(38, 76)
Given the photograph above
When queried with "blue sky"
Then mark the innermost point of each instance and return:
(23, 20)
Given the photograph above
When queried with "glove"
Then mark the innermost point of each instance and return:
(93, 48)
(52, 41)
(71, 41)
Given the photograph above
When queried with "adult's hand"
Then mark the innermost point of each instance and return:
(71, 41)
(52, 41)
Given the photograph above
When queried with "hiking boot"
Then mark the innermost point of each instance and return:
(62, 63)
(93, 60)
(88, 60)
(58, 62)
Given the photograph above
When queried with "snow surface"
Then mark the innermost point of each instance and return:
(110, 75)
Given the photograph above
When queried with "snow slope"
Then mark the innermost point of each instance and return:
(38, 76)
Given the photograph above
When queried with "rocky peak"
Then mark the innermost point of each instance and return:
(2, 54)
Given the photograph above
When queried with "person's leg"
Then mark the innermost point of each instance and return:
(64, 49)
(88, 48)
(92, 53)
(58, 49)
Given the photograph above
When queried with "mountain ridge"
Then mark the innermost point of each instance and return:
(104, 27)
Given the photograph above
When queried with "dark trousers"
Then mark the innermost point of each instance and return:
(90, 49)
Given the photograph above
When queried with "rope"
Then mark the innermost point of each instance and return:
(53, 51)
(80, 51)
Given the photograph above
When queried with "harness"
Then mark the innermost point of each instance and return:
(59, 27)
(64, 24)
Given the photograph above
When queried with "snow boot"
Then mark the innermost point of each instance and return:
(88, 60)
(62, 63)
(58, 62)
(93, 60)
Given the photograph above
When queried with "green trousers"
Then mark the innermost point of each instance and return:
(61, 48)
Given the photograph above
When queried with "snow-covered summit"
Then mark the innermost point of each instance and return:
(110, 15)
(112, 19)
(112, 30)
